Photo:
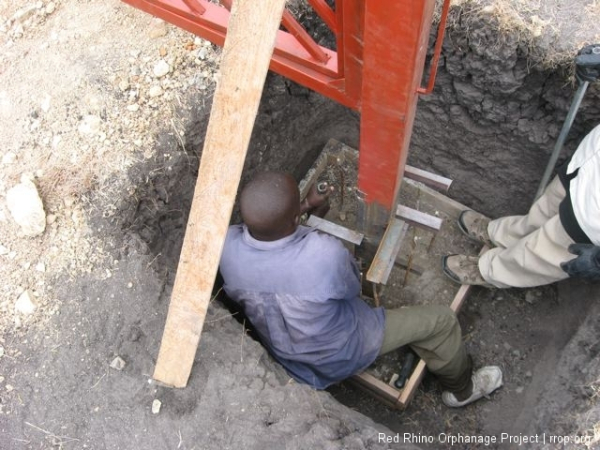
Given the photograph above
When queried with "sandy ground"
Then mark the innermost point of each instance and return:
(102, 107)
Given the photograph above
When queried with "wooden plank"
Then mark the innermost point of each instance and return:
(418, 218)
(412, 384)
(346, 234)
(437, 200)
(246, 57)
(428, 178)
(378, 387)
(385, 257)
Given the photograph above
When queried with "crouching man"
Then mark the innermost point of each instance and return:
(301, 291)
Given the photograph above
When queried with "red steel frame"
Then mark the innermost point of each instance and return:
(377, 70)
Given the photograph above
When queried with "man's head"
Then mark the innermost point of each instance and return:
(270, 206)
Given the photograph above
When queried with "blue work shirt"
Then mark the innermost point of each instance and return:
(302, 295)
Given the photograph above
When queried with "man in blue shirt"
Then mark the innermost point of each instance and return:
(301, 291)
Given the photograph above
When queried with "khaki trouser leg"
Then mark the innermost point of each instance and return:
(532, 261)
(433, 332)
(506, 231)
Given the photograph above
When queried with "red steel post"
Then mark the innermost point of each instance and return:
(395, 45)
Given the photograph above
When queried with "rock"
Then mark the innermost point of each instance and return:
(161, 68)
(118, 363)
(531, 297)
(26, 208)
(24, 13)
(9, 158)
(202, 53)
(158, 28)
(40, 267)
(90, 124)
(25, 305)
(156, 404)
(155, 91)
(124, 85)
(50, 8)
(4, 250)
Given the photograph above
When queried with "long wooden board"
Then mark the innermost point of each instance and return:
(246, 56)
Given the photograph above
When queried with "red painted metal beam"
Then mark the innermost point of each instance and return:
(394, 53)
(350, 14)
(437, 50)
(290, 58)
(296, 30)
(325, 13)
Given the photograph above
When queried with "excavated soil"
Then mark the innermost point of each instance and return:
(113, 145)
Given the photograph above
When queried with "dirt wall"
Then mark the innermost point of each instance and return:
(495, 115)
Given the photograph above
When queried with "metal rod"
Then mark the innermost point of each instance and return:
(439, 40)
(561, 138)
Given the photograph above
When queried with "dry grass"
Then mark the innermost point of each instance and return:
(552, 31)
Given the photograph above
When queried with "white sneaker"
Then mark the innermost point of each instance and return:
(485, 381)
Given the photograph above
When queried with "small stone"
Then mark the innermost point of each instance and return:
(161, 68)
(156, 404)
(133, 108)
(124, 85)
(25, 305)
(516, 353)
(50, 219)
(528, 374)
(519, 390)
(202, 53)
(69, 201)
(506, 346)
(4, 250)
(531, 297)
(9, 158)
(155, 91)
(26, 208)
(50, 7)
(158, 28)
(1, 351)
(130, 285)
(90, 124)
(40, 267)
(9, 388)
(118, 363)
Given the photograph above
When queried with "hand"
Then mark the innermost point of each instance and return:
(315, 199)
(587, 263)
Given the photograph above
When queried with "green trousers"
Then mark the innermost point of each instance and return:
(433, 332)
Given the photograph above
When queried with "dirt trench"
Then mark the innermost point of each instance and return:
(490, 126)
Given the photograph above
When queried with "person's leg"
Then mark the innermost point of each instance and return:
(433, 332)
(532, 261)
(507, 231)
